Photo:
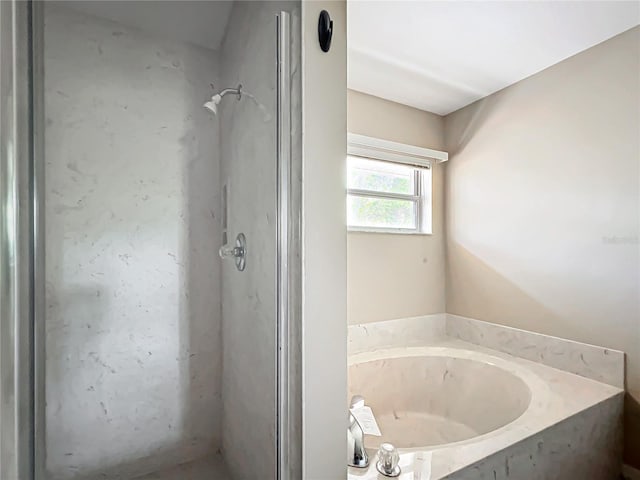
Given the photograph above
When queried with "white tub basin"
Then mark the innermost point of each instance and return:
(428, 400)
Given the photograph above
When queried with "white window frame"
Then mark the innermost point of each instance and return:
(420, 198)
(421, 159)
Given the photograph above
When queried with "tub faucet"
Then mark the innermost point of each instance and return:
(356, 453)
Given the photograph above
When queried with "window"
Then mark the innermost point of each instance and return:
(389, 185)
(387, 196)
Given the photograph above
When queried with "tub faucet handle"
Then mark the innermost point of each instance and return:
(388, 460)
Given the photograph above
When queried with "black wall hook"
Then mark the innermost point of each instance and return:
(325, 30)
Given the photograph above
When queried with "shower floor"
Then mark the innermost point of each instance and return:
(209, 468)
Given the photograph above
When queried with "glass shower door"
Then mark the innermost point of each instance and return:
(160, 354)
(135, 349)
(255, 171)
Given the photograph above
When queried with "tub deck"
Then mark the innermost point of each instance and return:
(571, 429)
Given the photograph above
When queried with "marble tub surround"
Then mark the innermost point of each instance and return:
(569, 417)
(409, 332)
(570, 427)
(590, 361)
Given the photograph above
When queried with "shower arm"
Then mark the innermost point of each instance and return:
(236, 91)
(212, 105)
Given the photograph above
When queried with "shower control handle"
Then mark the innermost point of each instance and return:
(238, 252)
(226, 251)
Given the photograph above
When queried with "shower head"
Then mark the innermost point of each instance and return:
(212, 105)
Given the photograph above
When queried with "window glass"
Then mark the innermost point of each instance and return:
(381, 212)
(366, 174)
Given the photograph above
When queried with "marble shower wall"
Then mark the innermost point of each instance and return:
(248, 165)
(133, 282)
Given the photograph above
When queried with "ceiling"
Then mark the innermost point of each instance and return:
(200, 22)
(440, 56)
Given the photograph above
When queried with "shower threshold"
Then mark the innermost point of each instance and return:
(208, 468)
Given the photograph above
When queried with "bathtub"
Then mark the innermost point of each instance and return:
(420, 396)
(461, 411)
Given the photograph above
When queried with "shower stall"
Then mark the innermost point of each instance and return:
(149, 240)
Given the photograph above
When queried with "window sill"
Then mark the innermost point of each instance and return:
(386, 231)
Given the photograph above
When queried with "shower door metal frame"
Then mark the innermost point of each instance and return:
(39, 299)
(288, 431)
(21, 283)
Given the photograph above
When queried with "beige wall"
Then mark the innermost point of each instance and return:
(403, 273)
(543, 174)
